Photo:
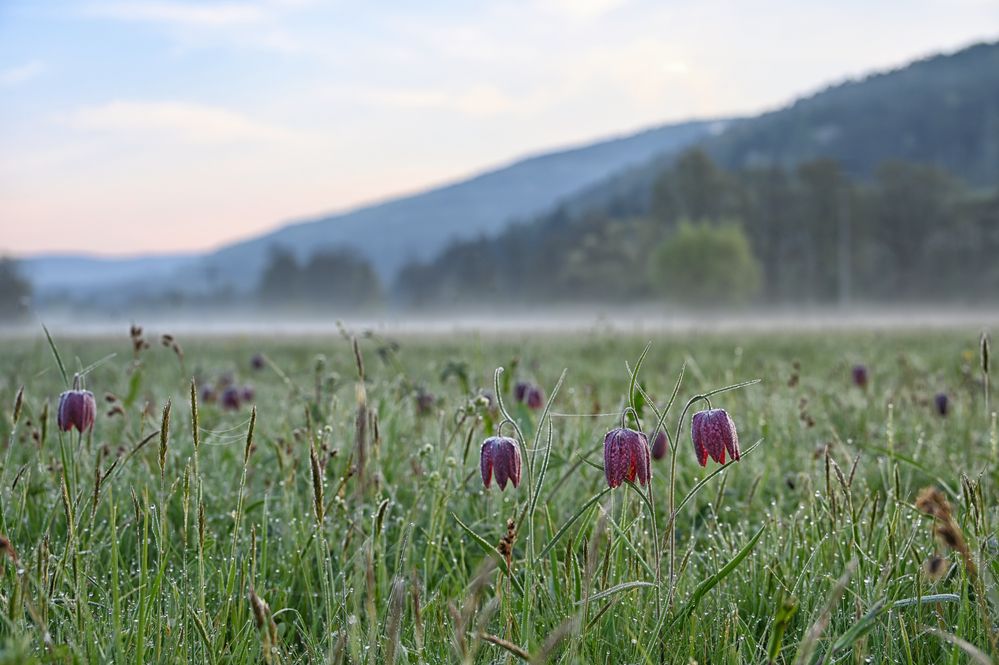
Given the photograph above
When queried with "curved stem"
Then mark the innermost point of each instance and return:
(624, 417)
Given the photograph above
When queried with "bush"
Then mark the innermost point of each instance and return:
(706, 264)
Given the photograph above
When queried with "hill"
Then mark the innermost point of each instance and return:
(389, 233)
(877, 189)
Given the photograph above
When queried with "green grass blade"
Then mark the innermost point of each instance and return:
(713, 581)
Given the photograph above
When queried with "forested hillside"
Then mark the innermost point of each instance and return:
(708, 236)
(876, 190)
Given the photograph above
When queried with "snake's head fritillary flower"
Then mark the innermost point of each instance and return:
(230, 398)
(713, 433)
(942, 403)
(859, 373)
(257, 362)
(77, 408)
(660, 445)
(535, 398)
(626, 457)
(247, 393)
(520, 391)
(425, 402)
(500, 457)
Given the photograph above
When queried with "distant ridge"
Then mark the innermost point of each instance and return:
(389, 233)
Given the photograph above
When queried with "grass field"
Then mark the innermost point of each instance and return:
(345, 523)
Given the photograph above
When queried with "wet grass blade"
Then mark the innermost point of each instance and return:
(55, 352)
(713, 581)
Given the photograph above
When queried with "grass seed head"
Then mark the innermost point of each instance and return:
(934, 502)
(164, 435)
(935, 568)
(18, 403)
(7, 550)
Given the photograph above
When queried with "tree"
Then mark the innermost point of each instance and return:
(693, 189)
(280, 281)
(911, 202)
(333, 277)
(706, 265)
(15, 291)
(339, 278)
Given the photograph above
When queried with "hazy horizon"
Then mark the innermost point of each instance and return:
(140, 128)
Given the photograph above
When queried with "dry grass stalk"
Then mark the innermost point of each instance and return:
(317, 484)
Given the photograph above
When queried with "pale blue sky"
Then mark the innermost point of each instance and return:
(132, 126)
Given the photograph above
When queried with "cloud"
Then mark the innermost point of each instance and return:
(475, 100)
(194, 123)
(203, 14)
(582, 10)
(21, 73)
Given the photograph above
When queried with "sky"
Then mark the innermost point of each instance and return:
(135, 127)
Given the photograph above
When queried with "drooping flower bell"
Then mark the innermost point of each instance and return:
(77, 408)
(712, 433)
(520, 391)
(535, 398)
(660, 445)
(626, 457)
(942, 403)
(859, 373)
(500, 457)
(230, 398)
(425, 402)
(257, 361)
(247, 393)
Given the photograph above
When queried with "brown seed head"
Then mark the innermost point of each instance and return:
(933, 502)
(935, 568)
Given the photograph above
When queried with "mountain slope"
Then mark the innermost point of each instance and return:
(876, 201)
(418, 227)
(941, 111)
(389, 234)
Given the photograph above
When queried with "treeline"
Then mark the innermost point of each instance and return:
(704, 235)
(334, 278)
(15, 291)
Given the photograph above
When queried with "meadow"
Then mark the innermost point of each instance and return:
(334, 510)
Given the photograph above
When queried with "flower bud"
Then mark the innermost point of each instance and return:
(942, 403)
(660, 445)
(712, 433)
(500, 456)
(425, 402)
(535, 398)
(77, 408)
(626, 457)
(860, 376)
(230, 398)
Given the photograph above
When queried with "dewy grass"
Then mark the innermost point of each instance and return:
(344, 520)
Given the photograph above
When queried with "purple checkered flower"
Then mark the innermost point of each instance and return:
(500, 456)
(626, 457)
(77, 408)
(713, 433)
